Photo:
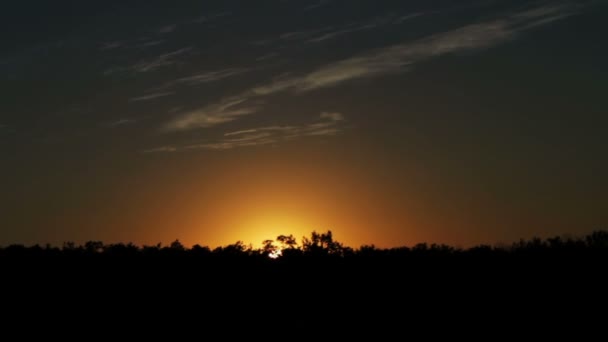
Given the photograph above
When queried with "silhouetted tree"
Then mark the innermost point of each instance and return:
(287, 241)
(236, 249)
(367, 251)
(121, 249)
(321, 244)
(93, 246)
(268, 247)
(200, 250)
(597, 239)
(590, 251)
(177, 246)
(69, 246)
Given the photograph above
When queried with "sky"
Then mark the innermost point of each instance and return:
(387, 122)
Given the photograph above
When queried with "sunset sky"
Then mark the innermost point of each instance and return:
(387, 122)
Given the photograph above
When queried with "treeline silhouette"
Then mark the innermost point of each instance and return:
(319, 245)
(316, 285)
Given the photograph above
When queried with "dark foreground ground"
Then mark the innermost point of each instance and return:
(537, 287)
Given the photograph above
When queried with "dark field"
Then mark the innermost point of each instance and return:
(530, 283)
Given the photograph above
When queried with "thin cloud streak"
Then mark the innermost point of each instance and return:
(161, 149)
(151, 96)
(149, 44)
(225, 111)
(328, 34)
(341, 32)
(205, 77)
(304, 34)
(210, 17)
(136, 44)
(328, 124)
(292, 36)
(144, 66)
(321, 3)
(120, 122)
(396, 57)
(167, 59)
(388, 60)
(111, 45)
(407, 17)
(167, 29)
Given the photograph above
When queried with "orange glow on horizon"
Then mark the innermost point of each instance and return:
(268, 225)
(280, 195)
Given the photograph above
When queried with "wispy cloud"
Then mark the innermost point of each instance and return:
(267, 56)
(337, 33)
(228, 109)
(329, 33)
(167, 59)
(149, 97)
(319, 4)
(161, 149)
(111, 45)
(152, 64)
(407, 17)
(149, 43)
(120, 122)
(210, 17)
(167, 29)
(255, 139)
(389, 60)
(304, 33)
(327, 124)
(134, 44)
(206, 77)
(332, 116)
(301, 35)
(396, 57)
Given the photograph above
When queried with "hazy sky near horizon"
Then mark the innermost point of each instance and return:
(388, 122)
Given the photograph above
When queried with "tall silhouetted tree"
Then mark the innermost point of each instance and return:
(287, 241)
(598, 239)
(321, 244)
(177, 246)
(268, 247)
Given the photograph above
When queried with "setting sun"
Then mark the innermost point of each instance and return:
(313, 165)
(275, 254)
(267, 226)
(386, 122)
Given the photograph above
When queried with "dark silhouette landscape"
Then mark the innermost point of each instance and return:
(421, 132)
(316, 279)
(287, 250)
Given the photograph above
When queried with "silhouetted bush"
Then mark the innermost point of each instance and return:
(321, 245)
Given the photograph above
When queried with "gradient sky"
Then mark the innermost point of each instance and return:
(388, 122)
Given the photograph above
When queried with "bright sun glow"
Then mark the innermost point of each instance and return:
(274, 255)
(268, 225)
